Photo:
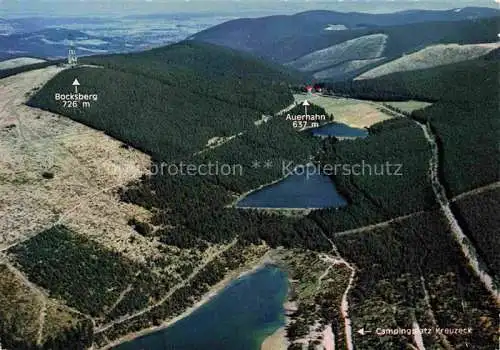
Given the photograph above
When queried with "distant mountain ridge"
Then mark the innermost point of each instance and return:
(304, 39)
(248, 34)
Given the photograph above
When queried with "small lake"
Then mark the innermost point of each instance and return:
(339, 130)
(296, 191)
(240, 317)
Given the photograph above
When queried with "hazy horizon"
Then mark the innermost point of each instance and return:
(248, 8)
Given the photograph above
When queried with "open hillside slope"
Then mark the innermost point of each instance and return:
(432, 56)
(365, 47)
(391, 45)
(18, 62)
(54, 170)
(463, 121)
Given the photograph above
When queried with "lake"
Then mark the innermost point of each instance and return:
(339, 130)
(294, 192)
(240, 317)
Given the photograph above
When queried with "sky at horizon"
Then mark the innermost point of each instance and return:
(248, 8)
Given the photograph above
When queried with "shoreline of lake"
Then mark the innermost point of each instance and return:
(279, 340)
(276, 341)
(233, 276)
(234, 204)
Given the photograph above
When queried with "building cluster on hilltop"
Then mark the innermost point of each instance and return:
(313, 88)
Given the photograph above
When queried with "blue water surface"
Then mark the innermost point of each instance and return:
(338, 130)
(240, 317)
(296, 191)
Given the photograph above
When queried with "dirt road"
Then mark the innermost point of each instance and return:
(465, 244)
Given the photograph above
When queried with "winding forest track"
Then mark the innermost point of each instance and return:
(41, 320)
(478, 190)
(120, 298)
(323, 275)
(382, 224)
(455, 228)
(344, 305)
(417, 335)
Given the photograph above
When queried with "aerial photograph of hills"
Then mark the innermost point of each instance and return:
(245, 175)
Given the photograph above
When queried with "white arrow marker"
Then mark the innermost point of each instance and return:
(305, 104)
(76, 84)
(362, 331)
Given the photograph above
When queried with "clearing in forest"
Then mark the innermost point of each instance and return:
(355, 113)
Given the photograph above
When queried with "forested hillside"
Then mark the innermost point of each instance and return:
(478, 215)
(339, 46)
(413, 271)
(464, 115)
(400, 41)
(376, 198)
(172, 100)
(19, 319)
(284, 38)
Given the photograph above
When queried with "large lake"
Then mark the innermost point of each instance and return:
(339, 130)
(296, 191)
(240, 317)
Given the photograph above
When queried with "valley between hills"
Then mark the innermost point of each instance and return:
(99, 249)
(36, 126)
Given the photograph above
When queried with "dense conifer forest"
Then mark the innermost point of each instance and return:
(402, 264)
(398, 152)
(464, 114)
(81, 271)
(477, 214)
(169, 102)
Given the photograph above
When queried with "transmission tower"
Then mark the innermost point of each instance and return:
(72, 58)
